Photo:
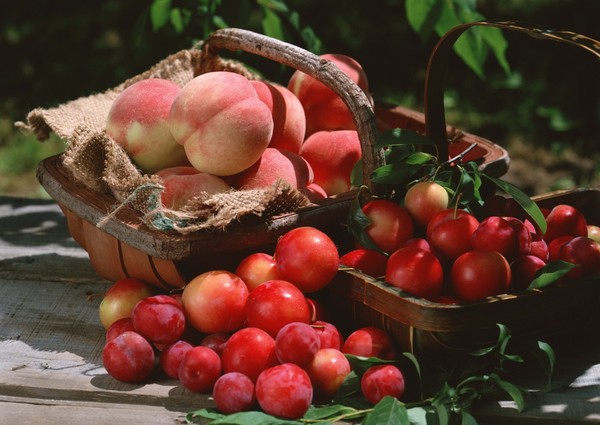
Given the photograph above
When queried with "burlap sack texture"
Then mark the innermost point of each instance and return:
(99, 163)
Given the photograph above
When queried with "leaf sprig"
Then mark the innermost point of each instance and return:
(450, 390)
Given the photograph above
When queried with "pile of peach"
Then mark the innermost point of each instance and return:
(222, 131)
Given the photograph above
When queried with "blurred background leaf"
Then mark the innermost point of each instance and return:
(546, 110)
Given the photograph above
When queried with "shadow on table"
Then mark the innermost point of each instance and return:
(33, 222)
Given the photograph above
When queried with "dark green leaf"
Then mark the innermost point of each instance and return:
(530, 207)
(159, 13)
(395, 173)
(550, 273)
(389, 411)
(399, 136)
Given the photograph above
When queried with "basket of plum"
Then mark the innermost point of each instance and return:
(454, 252)
(198, 161)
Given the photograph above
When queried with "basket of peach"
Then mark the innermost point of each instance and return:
(448, 252)
(198, 161)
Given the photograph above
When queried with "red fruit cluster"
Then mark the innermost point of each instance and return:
(452, 255)
(257, 345)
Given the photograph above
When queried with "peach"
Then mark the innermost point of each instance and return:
(314, 192)
(221, 122)
(324, 109)
(289, 121)
(183, 183)
(138, 120)
(275, 164)
(332, 156)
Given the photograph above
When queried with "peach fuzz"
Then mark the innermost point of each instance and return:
(273, 165)
(183, 183)
(323, 108)
(138, 120)
(222, 124)
(289, 121)
(332, 156)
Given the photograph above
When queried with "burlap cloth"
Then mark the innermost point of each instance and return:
(99, 163)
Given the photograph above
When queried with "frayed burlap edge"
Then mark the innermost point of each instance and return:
(99, 163)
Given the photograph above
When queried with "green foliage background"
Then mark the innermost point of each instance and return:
(57, 51)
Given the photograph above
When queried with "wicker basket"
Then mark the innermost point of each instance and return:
(124, 246)
(422, 326)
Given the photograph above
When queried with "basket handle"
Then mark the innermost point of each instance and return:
(323, 70)
(435, 122)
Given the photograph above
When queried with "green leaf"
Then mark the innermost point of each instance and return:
(358, 222)
(423, 15)
(513, 391)
(395, 173)
(388, 411)
(327, 411)
(271, 24)
(550, 273)
(350, 387)
(530, 207)
(399, 136)
(275, 5)
(547, 362)
(420, 416)
(414, 361)
(179, 19)
(361, 364)
(467, 419)
(252, 418)
(159, 13)
(498, 44)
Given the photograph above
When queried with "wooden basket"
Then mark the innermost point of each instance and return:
(123, 246)
(422, 326)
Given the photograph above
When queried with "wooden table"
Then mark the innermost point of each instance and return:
(51, 342)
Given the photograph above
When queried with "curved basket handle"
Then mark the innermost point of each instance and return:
(321, 69)
(435, 121)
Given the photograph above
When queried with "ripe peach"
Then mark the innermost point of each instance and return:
(138, 120)
(289, 121)
(274, 164)
(221, 122)
(314, 192)
(332, 156)
(183, 183)
(324, 109)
